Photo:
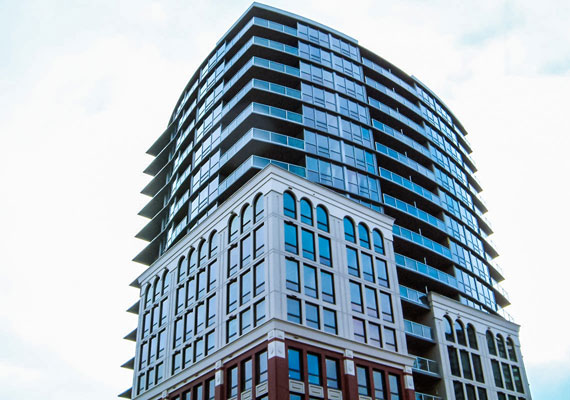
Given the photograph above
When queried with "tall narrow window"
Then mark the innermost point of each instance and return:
(327, 287)
(458, 390)
(246, 287)
(497, 373)
(352, 262)
(245, 321)
(382, 272)
(312, 316)
(233, 260)
(310, 281)
(448, 329)
(363, 235)
(394, 382)
(472, 337)
(259, 208)
(306, 212)
(289, 208)
(212, 275)
(374, 336)
(359, 330)
(232, 329)
(246, 218)
(233, 382)
(390, 339)
(363, 381)
(202, 253)
(325, 251)
(322, 219)
(482, 393)
(466, 365)
(259, 239)
(367, 269)
(501, 347)
(200, 317)
(349, 230)
(371, 302)
(332, 373)
(234, 228)
(477, 368)
(460, 333)
(378, 241)
(261, 367)
(211, 311)
(329, 317)
(259, 279)
(308, 244)
(193, 262)
(182, 267)
(517, 379)
(292, 275)
(314, 369)
(246, 250)
(453, 361)
(291, 238)
(214, 241)
(211, 389)
(511, 349)
(295, 368)
(386, 302)
(259, 310)
(232, 296)
(246, 375)
(166, 282)
(378, 380)
(491, 343)
(356, 297)
(507, 376)
(293, 310)
(201, 284)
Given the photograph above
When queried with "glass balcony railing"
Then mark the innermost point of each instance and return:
(401, 137)
(423, 396)
(426, 270)
(413, 296)
(421, 240)
(405, 160)
(414, 187)
(414, 211)
(419, 330)
(426, 365)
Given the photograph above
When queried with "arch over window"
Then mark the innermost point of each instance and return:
(258, 208)
(349, 230)
(322, 219)
(306, 212)
(378, 241)
(447, 328)
(214, 241)
(193, 261)
(233, 228)
(491, 343)
(472, 337)
(202, 253)
(147, 297)
(501, 346)
(165, 282)
(511, 349)
(182, 267)
(156, 290)
(363, 235)
(289, 207)
(246, 217)
(460, 333)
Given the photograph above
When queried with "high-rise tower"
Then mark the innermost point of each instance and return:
(316, 232)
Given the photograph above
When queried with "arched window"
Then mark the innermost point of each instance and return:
(472, 337)
(378, 241)
(363, 235)
(214, 239)
(258, 205)
(234, 227)
(491, 343)
(182, 267)
(306, 212)
(156, 291)
(289, 208)
(460, 333)
(193, 261)
(448, 329)
(511, 349)
(166, 282)
(501, 346)
(147, 297)
(246, 218)
(322, 219)
(202, 254)
(349, 230)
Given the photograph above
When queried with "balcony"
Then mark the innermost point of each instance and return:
(413, 296)
(418, 330)
(425, 365)
(423, 396)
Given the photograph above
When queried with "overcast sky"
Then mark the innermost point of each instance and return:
(86, 87)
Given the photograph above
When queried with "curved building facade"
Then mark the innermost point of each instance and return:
(316, 231)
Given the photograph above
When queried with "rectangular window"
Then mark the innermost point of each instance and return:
(231, 329)
(212, 275)
(325, 251)
(374, 336)
(293, 310)
(245, 251)
(200, 317)
(211, 386)
(291, 238)
(458, 390)
(146, 323)
(164, 311)
(152, 350)
(292, 275)
(507, 376)
(232, 260)
(161, 344)
(470, 390)
(477, 367)
(382, 272)
(453, 361)
(201, 284)
(497, 373)
(246, 375)
(332, 373)
(245, 321)
(210, 342)
(308, 244)
(259, 279)
(155, 318)
(359, 330)
(159, 372)
(390, 339)
(261, 367)
(232, 382)
(259, 312)
(176, 362)
(211, 311)
(371, 302)
(310, 281)
(188, 325)
(483, 393)
(191, 291)
(312, 316)
(378, 381)
(352, 262)
(259, 239)
(356, 297)
(466, 364)
(188, 356)
(294, 361)
(180, 299)
(329, 317)
(327, 287)
(232, 296)
(394, 382)
(198, 349)
(178, 331)
(386, 302)
(367, 269)
(363, 381)
(246, 287)
(314, 369)
(198, 392)
(143, 355)
(517, 379)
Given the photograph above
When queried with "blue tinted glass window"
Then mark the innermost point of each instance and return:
(322, 219)
(289, 207)
(291, 238)
(325, 251)
(363, 236)
(306, 212)
(314, 369)
(349, 230)
(308, 244)
(294, 360)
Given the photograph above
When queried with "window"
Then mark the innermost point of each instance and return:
(363, 235)
(289, 208)
(143, 355)
(295, 368)
(232, 296)
(482, 393)
(312, 316)
(261, 367)
(200, 317)
(491, 343)
(214, 240)
(291, 238)
(378, 380)
(176, 362)
(198, 392)
(332, 373)
(507, 376)
(202, 253)
(517, 379)
(314, 369)
(245, 293)
(458, 390)
(233, 260)
(232, 328)
(201, 284)
(165, 282)
(210, 341)
(356, 297)
(460, 333)
(310, 281)
(188, 325)
(374, 336)
(327, 287)
(212, 275)
(155, 317)
(233, 382)
(390, 339)
(245, 321)
(352, 262)
(349, 230)
(182, 266)
(453, 361)
(511, 350)
(245, 251)
(329, 317)
(259, 239)
(180, 299)
(211, 389)
(156, 292)
(371, 302)
(382, 272)
(359, 330)
(259, 312)
(292, 274)
(378, 241)
(198, 349)
(466, 365)
(472, 336)
(325, 251)
(211, 311)
(187, 356)
(501, 347)
(308, 239)
(363, 381)
(193, 262)
(367, 270)
(386, 302)
(234, 228)
(477, 367)
(191, 291)
(394, 387)
(259, 208)
(448, 329)
(497, 373)
(246, 375)
(164, 311)
(322, 219)
(306, 212)
(259, 278)
(246, 218)
(293, 310)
